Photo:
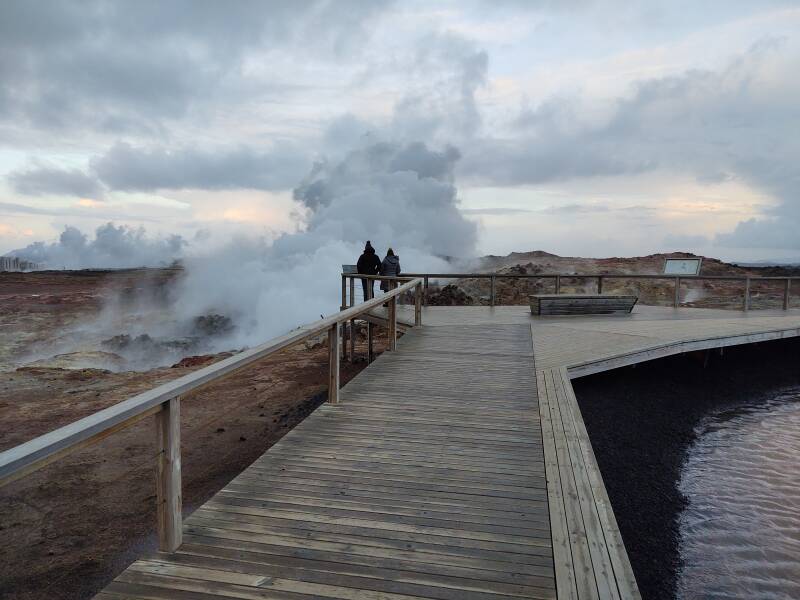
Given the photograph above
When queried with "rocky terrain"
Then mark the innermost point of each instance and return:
(700, 293)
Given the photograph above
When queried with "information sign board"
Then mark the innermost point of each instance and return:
(682, 266)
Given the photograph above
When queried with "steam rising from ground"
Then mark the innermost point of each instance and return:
(113, 247)
(396, 195)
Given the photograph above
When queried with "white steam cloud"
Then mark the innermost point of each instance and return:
(399, 196)
(112, 247)
(396, 195)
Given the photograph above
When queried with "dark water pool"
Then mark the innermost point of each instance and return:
(740, 531)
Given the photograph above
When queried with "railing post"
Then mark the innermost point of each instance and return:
(746, 306)
(491, 293)
(352, 291)
(558, 284)
(333, 363)
(168, 475)
(392, 346)
(344, 305)
(786, 286)
(677, 300)
(370, 296)
(425, 295)
(353, 333)
(418, 305)
(600, 285)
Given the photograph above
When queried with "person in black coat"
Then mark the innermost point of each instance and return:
(368, 264)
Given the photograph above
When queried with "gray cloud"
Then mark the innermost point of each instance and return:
(121, 66)
(571, 209)
(499, 211)
(127, 168)
(678, 241)
(781, 233)
(43, 180)
(131, 169)
(454, 69)
(714, 125)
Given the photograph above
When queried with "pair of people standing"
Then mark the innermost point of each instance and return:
(370, 264)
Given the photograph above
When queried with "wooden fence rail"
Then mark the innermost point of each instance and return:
(164, 402)
(600, 278)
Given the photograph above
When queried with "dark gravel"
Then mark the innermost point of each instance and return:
(641, 421)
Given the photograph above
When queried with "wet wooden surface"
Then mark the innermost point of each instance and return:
(426, 481)
(455, 468)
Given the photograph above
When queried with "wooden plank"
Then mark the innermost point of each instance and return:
(601, 571)
(562, 553)
(579, 547)
(623, 572)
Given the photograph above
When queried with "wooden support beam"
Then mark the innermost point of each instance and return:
(353, 291)
(418, 305)
(746, 303)
(392, 344)
(343, 330)
(677, 300)
(786, 288)
(599, 285)
(558, 284)
(492, 292)
(168, 475)
(425, 296)
(353, 333)
(333, 363)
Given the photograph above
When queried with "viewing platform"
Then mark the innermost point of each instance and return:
(456, 466)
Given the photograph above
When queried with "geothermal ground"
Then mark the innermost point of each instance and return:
(70, 527)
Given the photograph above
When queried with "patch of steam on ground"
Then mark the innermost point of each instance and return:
(138, 351)
(136, 329)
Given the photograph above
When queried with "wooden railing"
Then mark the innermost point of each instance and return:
(163, 402)
(348, 300)
(599, 277)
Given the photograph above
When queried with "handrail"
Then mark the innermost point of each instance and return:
(580, 276)
(677, 279)
(163, 401)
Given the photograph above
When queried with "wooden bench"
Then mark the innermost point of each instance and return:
(581, 304)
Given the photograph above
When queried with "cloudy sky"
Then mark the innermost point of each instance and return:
(584, 128)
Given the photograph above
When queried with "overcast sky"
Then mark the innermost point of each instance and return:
(581, 128)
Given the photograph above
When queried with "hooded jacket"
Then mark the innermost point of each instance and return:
(391, 266)
(368, 262)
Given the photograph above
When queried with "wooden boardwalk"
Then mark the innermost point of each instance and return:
(456, 468)
(426, 481)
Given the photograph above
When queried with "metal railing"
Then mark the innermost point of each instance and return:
(163, 402)
(599, 277)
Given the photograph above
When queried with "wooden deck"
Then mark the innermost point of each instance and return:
(456, 468)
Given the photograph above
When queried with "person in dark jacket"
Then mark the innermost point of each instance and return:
(368, 264)
(390, 267)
